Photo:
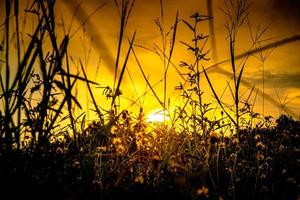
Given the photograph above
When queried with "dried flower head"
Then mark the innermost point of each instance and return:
(203, 191)
(139, 179)
(260, 145)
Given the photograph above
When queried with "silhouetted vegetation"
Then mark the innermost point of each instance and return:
(47, 152)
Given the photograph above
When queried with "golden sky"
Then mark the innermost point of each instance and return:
(281, 68)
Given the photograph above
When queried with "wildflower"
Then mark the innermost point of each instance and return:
(120, 149)
(59, 150)
(235, 141)
(260, 145)
(284, 172)
(202, 143)
(61, 139)
(257, 137)
(232, 156)
(139, 143)
(229, 170)
(98, 154)
(76, 164)
(260, 157)
(97, 184)
(52, 139)
(98, 149)
(264, 189)
(117, 141)
(101, 149)
(269, 159)
(113, 130)
(14, 145)
(139, 179)
(281, 147)
(203, 191)
(291, 181)
(263, 176)
(66, 149)
(156, 157)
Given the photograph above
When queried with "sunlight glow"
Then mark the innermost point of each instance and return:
(157, 116)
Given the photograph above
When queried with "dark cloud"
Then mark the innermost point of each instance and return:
(281, 79)
(82, 17)
(289, 9)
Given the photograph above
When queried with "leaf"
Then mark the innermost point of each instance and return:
(172, 42)
(76, 101)
(77, 77)
(216, 96)
(82, 125)
(60, 85)
(189, 46)
(35, 88)
(146, 79)
(188, 25)
(91, 93)
(63, 46)
(123, 69)
(239, 78)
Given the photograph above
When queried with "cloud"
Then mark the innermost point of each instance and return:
(280, 79)
(288, 9)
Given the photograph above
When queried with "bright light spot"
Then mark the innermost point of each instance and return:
(157, 116)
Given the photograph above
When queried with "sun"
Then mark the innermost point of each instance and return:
(157, 116)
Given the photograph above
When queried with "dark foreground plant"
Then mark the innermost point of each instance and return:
(121, 155)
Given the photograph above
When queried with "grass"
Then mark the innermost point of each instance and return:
(47, 152)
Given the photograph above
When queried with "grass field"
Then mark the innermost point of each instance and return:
(49, 150)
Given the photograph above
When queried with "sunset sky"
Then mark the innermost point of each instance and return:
(281, 68)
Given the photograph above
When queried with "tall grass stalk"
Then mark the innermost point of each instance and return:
(41, 117)
(253, 51)
(125, 11)
(236, 14)
(166, 59)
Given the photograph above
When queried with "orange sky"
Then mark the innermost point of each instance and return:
(282, 70)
